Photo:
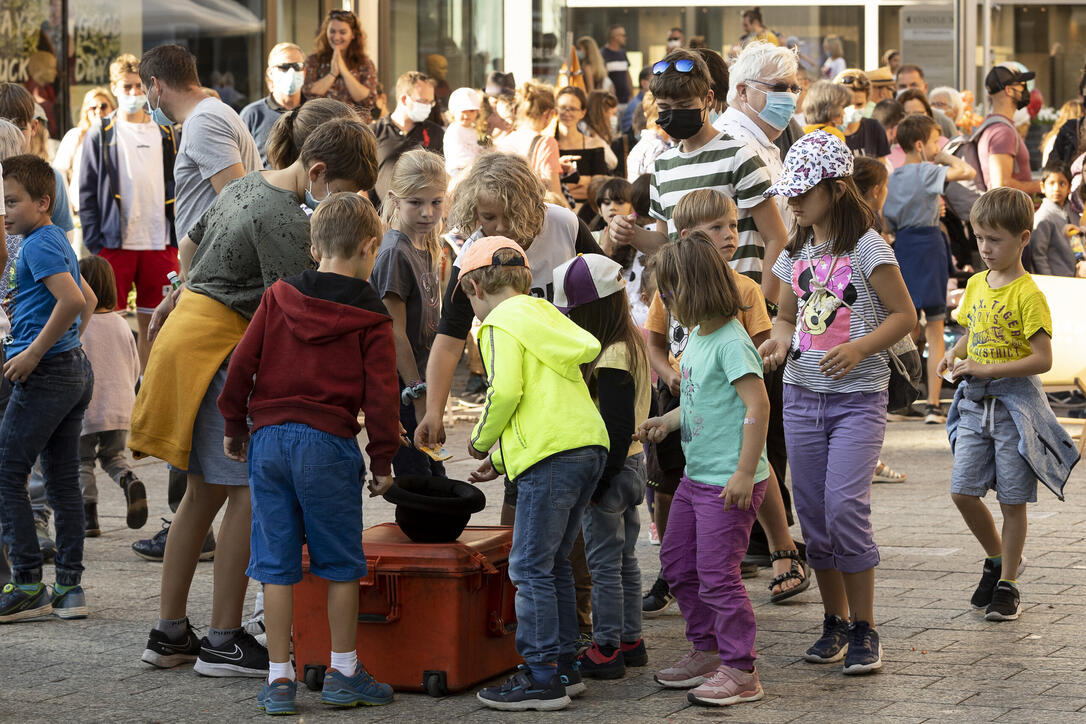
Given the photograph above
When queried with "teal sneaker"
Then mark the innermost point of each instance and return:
(70, 605)
(19, 605)
(277, 698)
(358, 690)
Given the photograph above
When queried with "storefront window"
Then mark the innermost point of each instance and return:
(550, 44)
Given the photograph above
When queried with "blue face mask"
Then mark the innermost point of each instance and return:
(157, 114)
(310, 200)
(779, 108)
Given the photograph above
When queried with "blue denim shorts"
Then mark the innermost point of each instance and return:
(207, 458)
(306, 487)
(986, 455)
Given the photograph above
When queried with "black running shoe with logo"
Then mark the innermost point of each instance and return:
(988, 579)
(522, 693)
(240, 656)
(154, 548)
(1005, 605)
(17, 604)
(657, 600)
(832, 644)
(165, 653)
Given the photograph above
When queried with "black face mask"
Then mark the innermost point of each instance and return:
(681, 123)
(1023, 99)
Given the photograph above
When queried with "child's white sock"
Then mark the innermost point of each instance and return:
(280, 671)
(345, 663)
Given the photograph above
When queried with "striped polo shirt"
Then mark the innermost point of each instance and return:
(724, 164)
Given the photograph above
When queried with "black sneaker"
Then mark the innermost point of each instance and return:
(933, 415)
(522, 692)
(1005, 605)
(596, 664)
(154, 548)
(19, 605)
(135, 496)
(90, 520)
(240, 656)
(166, 653)
(634, 654)
(657, 600)
(864, 650)
(988, 579)
(570, 674)
(833, 643)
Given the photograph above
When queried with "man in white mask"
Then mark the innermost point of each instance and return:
(126, 195)
(284, 76)
(406, 128)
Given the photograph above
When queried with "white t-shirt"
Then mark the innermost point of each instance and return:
(739, 125)
(143, 188)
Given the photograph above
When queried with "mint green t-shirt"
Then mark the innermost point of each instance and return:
(712, 411)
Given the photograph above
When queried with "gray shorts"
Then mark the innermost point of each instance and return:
(986, 455)
(207, 458)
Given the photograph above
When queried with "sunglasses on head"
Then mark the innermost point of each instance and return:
(290, 66)
(859, 81)
(778, 87)
(341, 14)
(683, 65)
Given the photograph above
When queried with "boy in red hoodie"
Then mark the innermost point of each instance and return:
(318, 350)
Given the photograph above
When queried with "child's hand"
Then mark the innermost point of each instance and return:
(672, 380)
(475, 453)
(840, 360)
(1071, 229)
(236, 448)
(738, 491)
(19, 367)
(773, 354)
(652, 430)
(946, 363)
(968, 367)
(379, 485)
(621, 229)
(484, 473)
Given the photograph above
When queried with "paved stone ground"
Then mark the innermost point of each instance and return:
(942, 660)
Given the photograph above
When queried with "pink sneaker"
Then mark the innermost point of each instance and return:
(689, 671)
(727, 686)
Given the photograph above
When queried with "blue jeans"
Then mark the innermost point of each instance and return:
(44, 416)
(551, 498)
(408, 460)
(611, 527)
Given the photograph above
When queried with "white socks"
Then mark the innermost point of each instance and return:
(345, 663)
(280, 671)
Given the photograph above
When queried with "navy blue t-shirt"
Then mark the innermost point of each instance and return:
(45, 252)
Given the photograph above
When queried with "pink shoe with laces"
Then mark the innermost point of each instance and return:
(689, 671)
(727, 686)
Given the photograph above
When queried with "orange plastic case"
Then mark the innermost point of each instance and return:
(435, 617)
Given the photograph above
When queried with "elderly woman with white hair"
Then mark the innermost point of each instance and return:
(948, 100)
(762, 95)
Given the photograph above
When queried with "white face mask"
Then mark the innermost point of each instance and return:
(132, 104)
(852, 115)
(673, 43)
(418, 112)
(288, 82)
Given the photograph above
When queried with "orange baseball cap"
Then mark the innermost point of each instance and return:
(482, 253)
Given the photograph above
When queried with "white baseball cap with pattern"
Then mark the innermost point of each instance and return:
(813, 158)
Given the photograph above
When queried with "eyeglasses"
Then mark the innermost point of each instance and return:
(778, 87)
(569, 109)
(290, 66)
(683, 65)
(860, 82)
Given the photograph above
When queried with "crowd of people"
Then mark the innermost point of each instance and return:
(715, 271)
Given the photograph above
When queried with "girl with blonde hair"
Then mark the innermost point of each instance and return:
(97, 104)
(592, 65)
(535, 112)
(405, 275)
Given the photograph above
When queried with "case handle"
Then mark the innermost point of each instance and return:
(392, 597)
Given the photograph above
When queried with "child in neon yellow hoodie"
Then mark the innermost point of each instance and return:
(552, 442)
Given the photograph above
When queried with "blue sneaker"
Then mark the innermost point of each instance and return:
(832, 644)
(522, 692)
(19, 605)
(69, 605)
(358, 690)
(277, 697)
(864, 649)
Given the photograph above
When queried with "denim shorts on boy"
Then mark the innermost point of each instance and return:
(306, 487)
(207, 458)
(611, 528)
(44, 416)
(986, 454)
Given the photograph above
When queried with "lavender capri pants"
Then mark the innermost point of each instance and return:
(834, 441)
(699, 558)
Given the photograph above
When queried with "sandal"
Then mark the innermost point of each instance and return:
(886, 474)
(799, 571)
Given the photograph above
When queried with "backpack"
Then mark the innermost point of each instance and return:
(961, 195)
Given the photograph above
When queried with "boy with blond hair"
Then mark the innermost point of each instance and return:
(318, 350)
(532, 355)
(1001, 428)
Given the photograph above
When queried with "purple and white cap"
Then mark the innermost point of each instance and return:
(814, 157)
(586, 278)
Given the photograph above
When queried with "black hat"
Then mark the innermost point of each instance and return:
(1001, 76)
(500, 84)
(431, 509)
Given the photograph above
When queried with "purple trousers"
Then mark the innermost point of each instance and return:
(834, 441)
(699, 558)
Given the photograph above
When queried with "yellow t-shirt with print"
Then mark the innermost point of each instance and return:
(1001, 320)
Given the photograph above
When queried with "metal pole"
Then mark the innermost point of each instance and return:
(987, 61)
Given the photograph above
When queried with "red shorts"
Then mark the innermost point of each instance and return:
(147, 270)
